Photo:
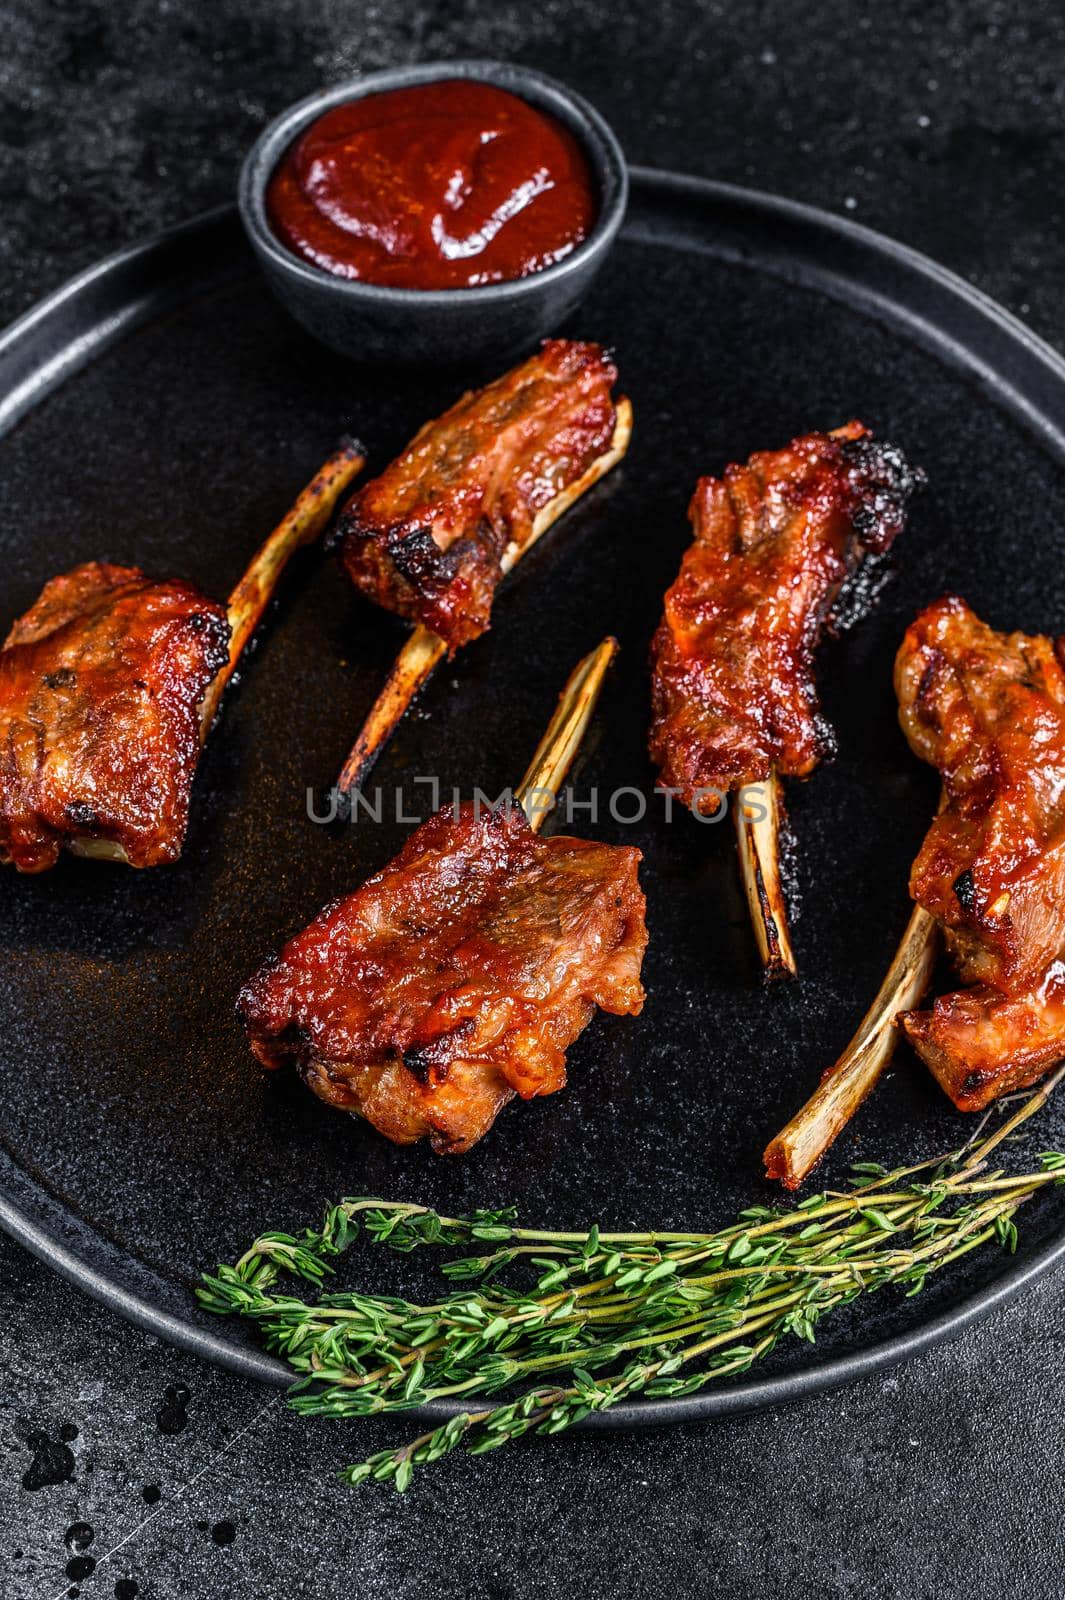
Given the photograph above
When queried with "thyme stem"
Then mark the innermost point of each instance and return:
(611, 1315)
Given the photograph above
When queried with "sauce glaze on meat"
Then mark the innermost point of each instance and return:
(988, 710)
(426, 538)
(733, 692)
(455, 978)
(100, 689)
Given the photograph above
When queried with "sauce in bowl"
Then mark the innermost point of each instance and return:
(445, 185)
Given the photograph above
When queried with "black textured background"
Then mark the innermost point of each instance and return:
(938, 124)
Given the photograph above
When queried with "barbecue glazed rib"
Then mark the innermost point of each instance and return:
(455, 978)
(109, 685)
(100, 690)
(428, 538)
(733, 691)
(988, 710)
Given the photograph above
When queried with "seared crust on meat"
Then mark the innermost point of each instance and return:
(988, 709)
(981, 1044)
(455, 978)
(427, 537)
(100, 689)
(733, 689)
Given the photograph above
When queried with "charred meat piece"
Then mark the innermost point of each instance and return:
(110, 683)
(101, 683)
(455, 978)
(733, 688)
(427, 538)
(982, 1044)
(988, 709)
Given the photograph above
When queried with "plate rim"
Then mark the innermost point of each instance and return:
(943, 313)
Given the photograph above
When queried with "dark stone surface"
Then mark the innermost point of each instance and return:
(938, 124)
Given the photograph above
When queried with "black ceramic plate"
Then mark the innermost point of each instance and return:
(163, 410)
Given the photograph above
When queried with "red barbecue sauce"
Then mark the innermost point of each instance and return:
(441, 186)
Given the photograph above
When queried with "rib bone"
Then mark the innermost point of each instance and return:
(798, 1148)
(758, 816)
(424, 650)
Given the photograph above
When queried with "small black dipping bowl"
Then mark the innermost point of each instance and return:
(374, 322)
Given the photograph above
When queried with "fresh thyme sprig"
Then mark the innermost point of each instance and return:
(604, 1316)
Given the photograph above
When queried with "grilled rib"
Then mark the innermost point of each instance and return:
(988, 710)
(428, 538)
(456, 978)
(734, 697)
(734, 704)
(110, 683)
(100, 690)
